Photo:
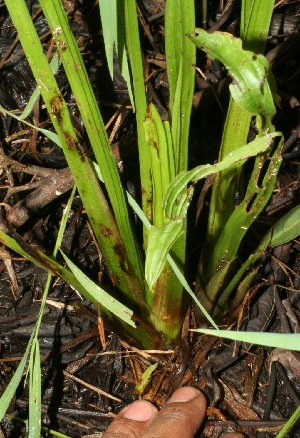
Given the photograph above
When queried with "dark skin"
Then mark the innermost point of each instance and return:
(180, 417)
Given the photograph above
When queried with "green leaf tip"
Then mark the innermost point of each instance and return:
(287, 228)
(145, 379)
(250, 72)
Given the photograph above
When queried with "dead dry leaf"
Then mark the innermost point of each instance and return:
(290, 360)
(237, 404)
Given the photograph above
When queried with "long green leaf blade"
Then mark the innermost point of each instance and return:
(99, 294)
(181, 58)
(289, 341)
(108, 12)
(127, 14)
(35, 388)
(114, 37)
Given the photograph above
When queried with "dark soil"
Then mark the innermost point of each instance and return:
(250, 389)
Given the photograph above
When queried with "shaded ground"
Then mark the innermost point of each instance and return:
(250, 389)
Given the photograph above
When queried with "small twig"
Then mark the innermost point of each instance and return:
(91, 387)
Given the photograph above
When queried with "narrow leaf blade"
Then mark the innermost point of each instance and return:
(277, 340)
(14, 382)
(100, 295)
(287, 228)
(34, 421)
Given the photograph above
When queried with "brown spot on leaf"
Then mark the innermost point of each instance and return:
(155, 145)
(74, 145)
(124, 262)
(104, 231)
(71, 142)
(56, 106)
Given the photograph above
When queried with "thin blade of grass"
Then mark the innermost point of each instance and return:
(289, 424)
(63, 222)
(15, 381)
(33, 349)
(54, 65)
(181, 58)
(44, 429)
(108, 13)
(114, 37)
(290, 341)
(35, 383)
(186, 286)
(49, 134)
(102, 297)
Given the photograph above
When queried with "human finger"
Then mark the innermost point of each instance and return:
(181, 416)
(132, 421)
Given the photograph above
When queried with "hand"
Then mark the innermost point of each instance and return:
(181, 417)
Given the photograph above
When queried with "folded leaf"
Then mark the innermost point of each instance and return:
(160, 242)
(250, 88)
(178, 186)
(145, 379)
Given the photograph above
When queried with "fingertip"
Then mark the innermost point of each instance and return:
(186, 394)
(140, 410)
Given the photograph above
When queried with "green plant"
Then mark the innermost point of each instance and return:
(159, 301)
(152, 283)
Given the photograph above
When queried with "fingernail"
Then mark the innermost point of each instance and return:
(139, 410)
(184, 394)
